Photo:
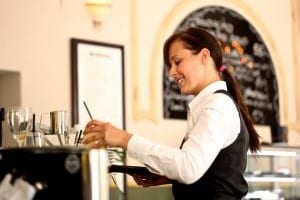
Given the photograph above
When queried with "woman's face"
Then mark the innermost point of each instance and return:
(187, 69)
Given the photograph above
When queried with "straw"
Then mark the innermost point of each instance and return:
(33, 127)
(75, 140)
(33, 122)
(88, 111)
(79, 136)
(91, 117)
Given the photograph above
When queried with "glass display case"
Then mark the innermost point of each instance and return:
(273, 173)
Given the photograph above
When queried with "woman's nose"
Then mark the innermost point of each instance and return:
(172, 71)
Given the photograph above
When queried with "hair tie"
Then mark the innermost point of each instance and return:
(222, 68)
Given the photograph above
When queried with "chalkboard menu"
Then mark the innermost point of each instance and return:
(245, 54)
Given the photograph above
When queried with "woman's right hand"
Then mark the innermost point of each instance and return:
(99, 134)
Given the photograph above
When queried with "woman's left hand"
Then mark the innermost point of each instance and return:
(150, 179)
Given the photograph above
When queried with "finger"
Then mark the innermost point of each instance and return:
(99, 128)
(137, 180)
(96, 144)
(94, 123)
(141, 180)
(90, 137)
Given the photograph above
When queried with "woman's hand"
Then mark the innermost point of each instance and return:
(150, 179)
(99, 134)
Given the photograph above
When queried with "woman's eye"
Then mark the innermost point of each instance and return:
(177, 62)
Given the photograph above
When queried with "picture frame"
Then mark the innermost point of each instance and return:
(98, 92)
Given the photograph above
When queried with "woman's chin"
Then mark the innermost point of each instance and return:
(183, 92)
(186, 92)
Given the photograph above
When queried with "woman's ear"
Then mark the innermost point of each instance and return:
(205, 54)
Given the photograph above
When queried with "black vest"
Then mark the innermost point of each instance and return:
(224, 179)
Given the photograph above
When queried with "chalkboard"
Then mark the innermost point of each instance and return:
(245, 54)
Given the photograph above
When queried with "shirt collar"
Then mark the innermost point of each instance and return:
(209, 89)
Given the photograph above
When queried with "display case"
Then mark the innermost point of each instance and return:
(273, 173)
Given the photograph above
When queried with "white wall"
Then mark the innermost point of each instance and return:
(35, 34)
(34, 40)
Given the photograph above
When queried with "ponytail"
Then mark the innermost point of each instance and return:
(234, 91)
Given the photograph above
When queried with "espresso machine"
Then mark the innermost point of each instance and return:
(59, 172)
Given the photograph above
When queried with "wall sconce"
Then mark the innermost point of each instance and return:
(96, 8)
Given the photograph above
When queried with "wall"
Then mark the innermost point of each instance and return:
(35, 41)
(35, 34)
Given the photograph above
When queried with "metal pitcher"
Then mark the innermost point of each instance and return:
(59, 125)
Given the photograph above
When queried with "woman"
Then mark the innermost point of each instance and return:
(211, 160)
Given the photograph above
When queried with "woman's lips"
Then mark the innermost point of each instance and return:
(179, 81)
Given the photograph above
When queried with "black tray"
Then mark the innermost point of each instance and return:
(129, 169)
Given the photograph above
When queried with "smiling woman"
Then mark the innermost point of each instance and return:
(245, 55)
(219, 128)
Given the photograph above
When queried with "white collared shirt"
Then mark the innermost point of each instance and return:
(213, 124)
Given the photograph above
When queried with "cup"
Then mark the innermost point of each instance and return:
(34, 139)
(59, 122)
(19, 120)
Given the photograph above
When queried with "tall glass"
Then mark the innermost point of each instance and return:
(19, 121)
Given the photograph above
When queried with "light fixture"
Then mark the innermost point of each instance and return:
(96, 8)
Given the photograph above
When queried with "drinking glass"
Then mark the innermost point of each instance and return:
(19, 121)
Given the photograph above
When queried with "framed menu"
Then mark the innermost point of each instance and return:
(97, 79)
